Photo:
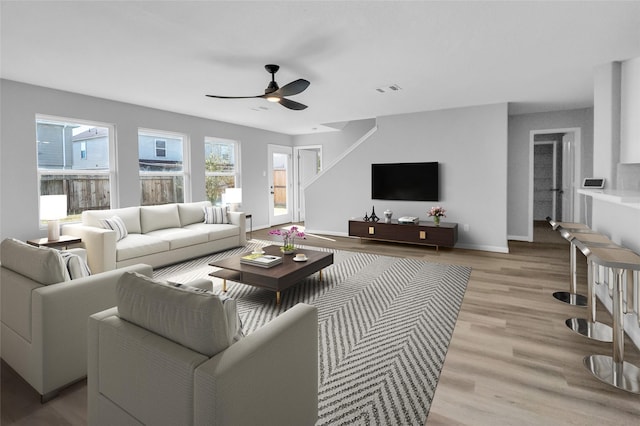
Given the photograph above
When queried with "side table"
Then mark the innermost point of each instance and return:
(63, 241)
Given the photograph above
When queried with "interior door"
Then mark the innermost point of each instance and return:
(307, 169)
(279, 167)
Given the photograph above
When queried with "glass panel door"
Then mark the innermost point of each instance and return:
(279, 185)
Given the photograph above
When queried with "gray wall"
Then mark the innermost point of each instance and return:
(471, 146)
(520, 127)
(19, 187)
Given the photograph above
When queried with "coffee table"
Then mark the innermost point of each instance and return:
(277, 278)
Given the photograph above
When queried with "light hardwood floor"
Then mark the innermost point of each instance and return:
(511, 361)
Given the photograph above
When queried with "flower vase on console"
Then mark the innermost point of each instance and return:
(437, 213)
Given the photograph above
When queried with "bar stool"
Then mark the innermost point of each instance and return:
(614, 370)
(590, 327)
(571, 297)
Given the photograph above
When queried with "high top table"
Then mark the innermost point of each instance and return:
(614, 370)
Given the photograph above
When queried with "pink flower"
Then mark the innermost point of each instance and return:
(437, 211)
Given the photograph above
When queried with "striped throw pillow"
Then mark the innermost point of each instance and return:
(115, 224)
(215, 214)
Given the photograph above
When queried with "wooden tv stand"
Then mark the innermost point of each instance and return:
(423, 233)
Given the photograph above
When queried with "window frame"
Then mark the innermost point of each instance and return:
(111, 172)
(237, 173)
(186, 155)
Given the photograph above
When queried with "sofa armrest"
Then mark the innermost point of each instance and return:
(276, 364)
(240, 219)
(99, 243)
(59, 321)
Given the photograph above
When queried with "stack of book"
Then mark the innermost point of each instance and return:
(262, 260)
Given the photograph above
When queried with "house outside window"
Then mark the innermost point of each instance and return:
(162, 165)
(221, 167)
(75, 159)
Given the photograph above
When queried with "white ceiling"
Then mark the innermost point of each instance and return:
(539, 56)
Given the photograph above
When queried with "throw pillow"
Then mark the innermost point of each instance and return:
(192, 319)
(234, 323)
(115, 224)
(214, 214)
(76, 265)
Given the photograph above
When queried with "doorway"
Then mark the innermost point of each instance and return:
(307, 164)
(280, 178)
(554, 176)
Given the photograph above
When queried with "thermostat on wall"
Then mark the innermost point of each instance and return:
(593, 183)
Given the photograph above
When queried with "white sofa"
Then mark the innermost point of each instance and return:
(165, 356)
(45, 313)
(157, 235)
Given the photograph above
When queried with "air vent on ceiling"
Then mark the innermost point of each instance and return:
(389, 88)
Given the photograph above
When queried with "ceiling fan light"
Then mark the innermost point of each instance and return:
(273, 98)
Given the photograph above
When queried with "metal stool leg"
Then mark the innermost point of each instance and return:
(614, 370)
(590, 327)
(571, 297)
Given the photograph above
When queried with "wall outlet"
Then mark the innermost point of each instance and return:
(465, 227)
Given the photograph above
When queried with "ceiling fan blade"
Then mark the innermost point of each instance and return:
(288, 103)
(235, 97)
(293, 88)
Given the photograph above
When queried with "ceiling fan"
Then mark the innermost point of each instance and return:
(275, 93)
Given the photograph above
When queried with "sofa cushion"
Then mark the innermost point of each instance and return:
(115, 224)
(159, 217)
(41, 264)
(215, 232)
(136, 245)
(192, 212)
(129, 215)
(234, 323)
(180, 237)
(195, 320)
(214, 214)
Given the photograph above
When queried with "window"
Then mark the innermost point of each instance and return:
(161, 148)
(221, 167)
(75, 159)
(162, 167)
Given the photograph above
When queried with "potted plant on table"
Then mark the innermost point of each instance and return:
(288, 238)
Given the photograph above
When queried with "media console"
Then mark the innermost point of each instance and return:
(422, 233)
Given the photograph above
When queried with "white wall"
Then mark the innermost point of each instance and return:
(471, 146)
(334, 144)
(630, 112)
(520, 127)
(19, 187)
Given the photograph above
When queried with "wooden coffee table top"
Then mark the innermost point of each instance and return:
(276, 278)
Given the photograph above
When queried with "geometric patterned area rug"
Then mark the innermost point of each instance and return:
(385, 324)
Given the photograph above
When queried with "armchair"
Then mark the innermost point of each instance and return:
(44, 314)
(152, 374)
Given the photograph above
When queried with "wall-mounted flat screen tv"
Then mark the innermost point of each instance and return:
(405, 181)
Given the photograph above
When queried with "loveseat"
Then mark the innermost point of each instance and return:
(45, 313)
(171, 356)
(156, 235)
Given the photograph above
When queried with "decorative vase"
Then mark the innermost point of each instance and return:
(436, 220)
(288, 247)
(387, 215)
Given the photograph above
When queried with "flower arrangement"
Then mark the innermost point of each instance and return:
(288, 237)
(437, 212)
